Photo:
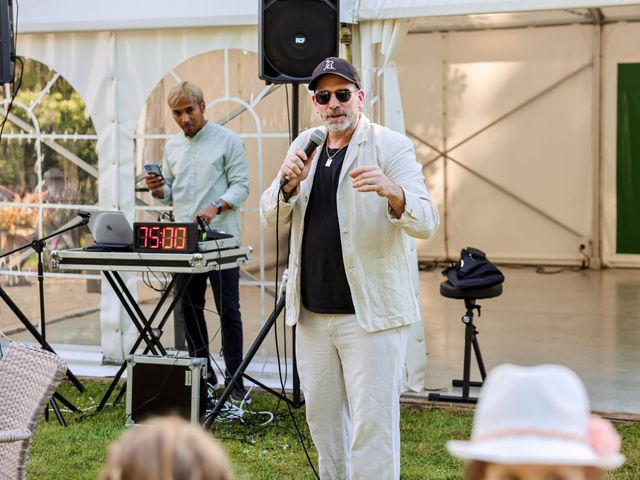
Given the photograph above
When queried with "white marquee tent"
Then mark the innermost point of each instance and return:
(511, 104)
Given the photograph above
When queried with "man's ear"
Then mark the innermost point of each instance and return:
(203, 106)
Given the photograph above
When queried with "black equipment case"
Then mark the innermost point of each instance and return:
(164, 386)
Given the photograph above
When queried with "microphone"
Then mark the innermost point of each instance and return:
(315, 140)
(85, 216)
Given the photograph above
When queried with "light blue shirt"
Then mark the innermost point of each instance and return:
(208, 167)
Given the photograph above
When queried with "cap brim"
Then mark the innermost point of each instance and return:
(532, 450)
(314, 81)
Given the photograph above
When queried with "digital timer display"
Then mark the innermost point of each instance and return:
(165, 237)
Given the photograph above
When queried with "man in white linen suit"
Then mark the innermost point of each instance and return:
(350, 203)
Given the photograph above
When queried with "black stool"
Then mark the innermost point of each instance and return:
(469, 295)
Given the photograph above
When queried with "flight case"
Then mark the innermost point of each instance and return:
(165, 386)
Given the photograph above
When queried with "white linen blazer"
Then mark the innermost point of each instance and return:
(375, 254)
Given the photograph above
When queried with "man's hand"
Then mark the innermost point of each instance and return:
(207, 214)
(155, 184)
(371, 178)
(296, 168)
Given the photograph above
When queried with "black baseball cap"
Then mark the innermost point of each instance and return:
(334, 66)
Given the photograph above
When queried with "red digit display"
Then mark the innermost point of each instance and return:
(167, 238)
(154, 237)
(181, 238)
(142, 240)
(160, 237)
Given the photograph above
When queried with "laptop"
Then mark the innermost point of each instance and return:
(110, 229)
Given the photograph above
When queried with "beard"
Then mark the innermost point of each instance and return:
(344, 123)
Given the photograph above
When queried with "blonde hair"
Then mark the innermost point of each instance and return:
(166, 448)
(185, 91)
(474, 470)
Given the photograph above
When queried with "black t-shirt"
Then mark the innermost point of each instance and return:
(323, 282)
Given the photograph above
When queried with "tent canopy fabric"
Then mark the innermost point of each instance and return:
(383, 9)
(94, 15)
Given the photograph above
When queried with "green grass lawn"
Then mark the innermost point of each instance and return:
(270, 452)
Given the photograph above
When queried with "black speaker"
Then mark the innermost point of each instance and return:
(295, 36)
(7, 43)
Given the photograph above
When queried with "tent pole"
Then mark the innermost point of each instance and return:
(597, 99)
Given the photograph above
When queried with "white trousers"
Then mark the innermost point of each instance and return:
(351, 381)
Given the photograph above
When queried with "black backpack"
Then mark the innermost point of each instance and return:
(473, 270)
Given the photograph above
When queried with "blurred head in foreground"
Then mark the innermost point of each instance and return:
(166, 448)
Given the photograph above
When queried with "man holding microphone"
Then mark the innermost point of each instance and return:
(350, 204)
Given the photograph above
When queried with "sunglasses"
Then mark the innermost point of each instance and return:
(342, 95)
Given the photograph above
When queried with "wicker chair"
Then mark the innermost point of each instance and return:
(29, 377)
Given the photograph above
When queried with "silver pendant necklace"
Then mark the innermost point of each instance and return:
(331, 157)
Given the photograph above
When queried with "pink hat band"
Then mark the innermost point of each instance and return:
(522, 432)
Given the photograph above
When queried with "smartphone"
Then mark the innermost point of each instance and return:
(153, 168)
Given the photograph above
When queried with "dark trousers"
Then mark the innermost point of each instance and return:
(226, 293)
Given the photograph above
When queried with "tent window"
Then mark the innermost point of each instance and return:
(48, 163)
(628, 158)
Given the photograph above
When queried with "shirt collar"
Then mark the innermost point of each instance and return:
(200, 135)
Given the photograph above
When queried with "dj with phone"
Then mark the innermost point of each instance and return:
(205, 174)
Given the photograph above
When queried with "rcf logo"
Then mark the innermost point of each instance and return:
(329, 65)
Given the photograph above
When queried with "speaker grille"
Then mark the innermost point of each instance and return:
(296, 36)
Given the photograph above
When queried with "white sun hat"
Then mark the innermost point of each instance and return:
(538, 415)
